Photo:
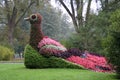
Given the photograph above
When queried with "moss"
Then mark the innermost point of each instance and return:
(35, 60)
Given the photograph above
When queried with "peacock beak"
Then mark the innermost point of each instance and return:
(27, 19)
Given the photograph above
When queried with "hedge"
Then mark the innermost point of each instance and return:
(33, 59)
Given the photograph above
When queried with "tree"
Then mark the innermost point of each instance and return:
(112, 41)
(76, 12)
(13, 15)
(13, 12)
(91, 36)
(95, 29)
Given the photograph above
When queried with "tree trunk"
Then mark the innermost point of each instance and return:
(88, 12)
(72, 14)
(73, 17)
(79, 10)
(11, 25)
(106, 3)
(10, 34)
(102, 4)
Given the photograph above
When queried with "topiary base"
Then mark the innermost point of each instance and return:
(34, 60)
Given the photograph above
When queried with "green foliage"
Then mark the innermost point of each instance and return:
(4, 38)
(114, 50)
(99, 24)
(67, 43)
(91, 43)
(75, 41)
(34, 60)
(112, 5)
(106, 43)
(115, 21)
(6, 53)
(112, 42)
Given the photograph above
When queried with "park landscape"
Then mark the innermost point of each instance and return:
(51, 46)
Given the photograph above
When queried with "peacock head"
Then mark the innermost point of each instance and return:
(34, 18)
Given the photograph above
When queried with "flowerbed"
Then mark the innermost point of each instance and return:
(96, 63)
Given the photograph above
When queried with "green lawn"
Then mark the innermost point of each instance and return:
(19, 72)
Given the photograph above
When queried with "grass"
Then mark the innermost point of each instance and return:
(10, 71)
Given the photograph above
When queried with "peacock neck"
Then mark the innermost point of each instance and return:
(36, 35)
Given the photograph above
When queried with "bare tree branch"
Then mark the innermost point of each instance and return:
(78, 10)
(88, 12)
(7, 9)
(72, 7)
(72, 15)
(79, 4)
(101, 3)
(24, 12)
(14, 14)
(63, 4)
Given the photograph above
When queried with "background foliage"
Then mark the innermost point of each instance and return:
(112, 41)
(6, 53)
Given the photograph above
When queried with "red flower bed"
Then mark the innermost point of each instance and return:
(92, 62)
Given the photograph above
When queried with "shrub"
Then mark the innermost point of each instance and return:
(114, 51)
(5, 53)
(35, 60)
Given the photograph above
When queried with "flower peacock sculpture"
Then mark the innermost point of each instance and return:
(44, 52)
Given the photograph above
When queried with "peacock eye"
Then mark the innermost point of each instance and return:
(33, 17)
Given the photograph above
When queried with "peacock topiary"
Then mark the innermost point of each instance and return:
(44, 52)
